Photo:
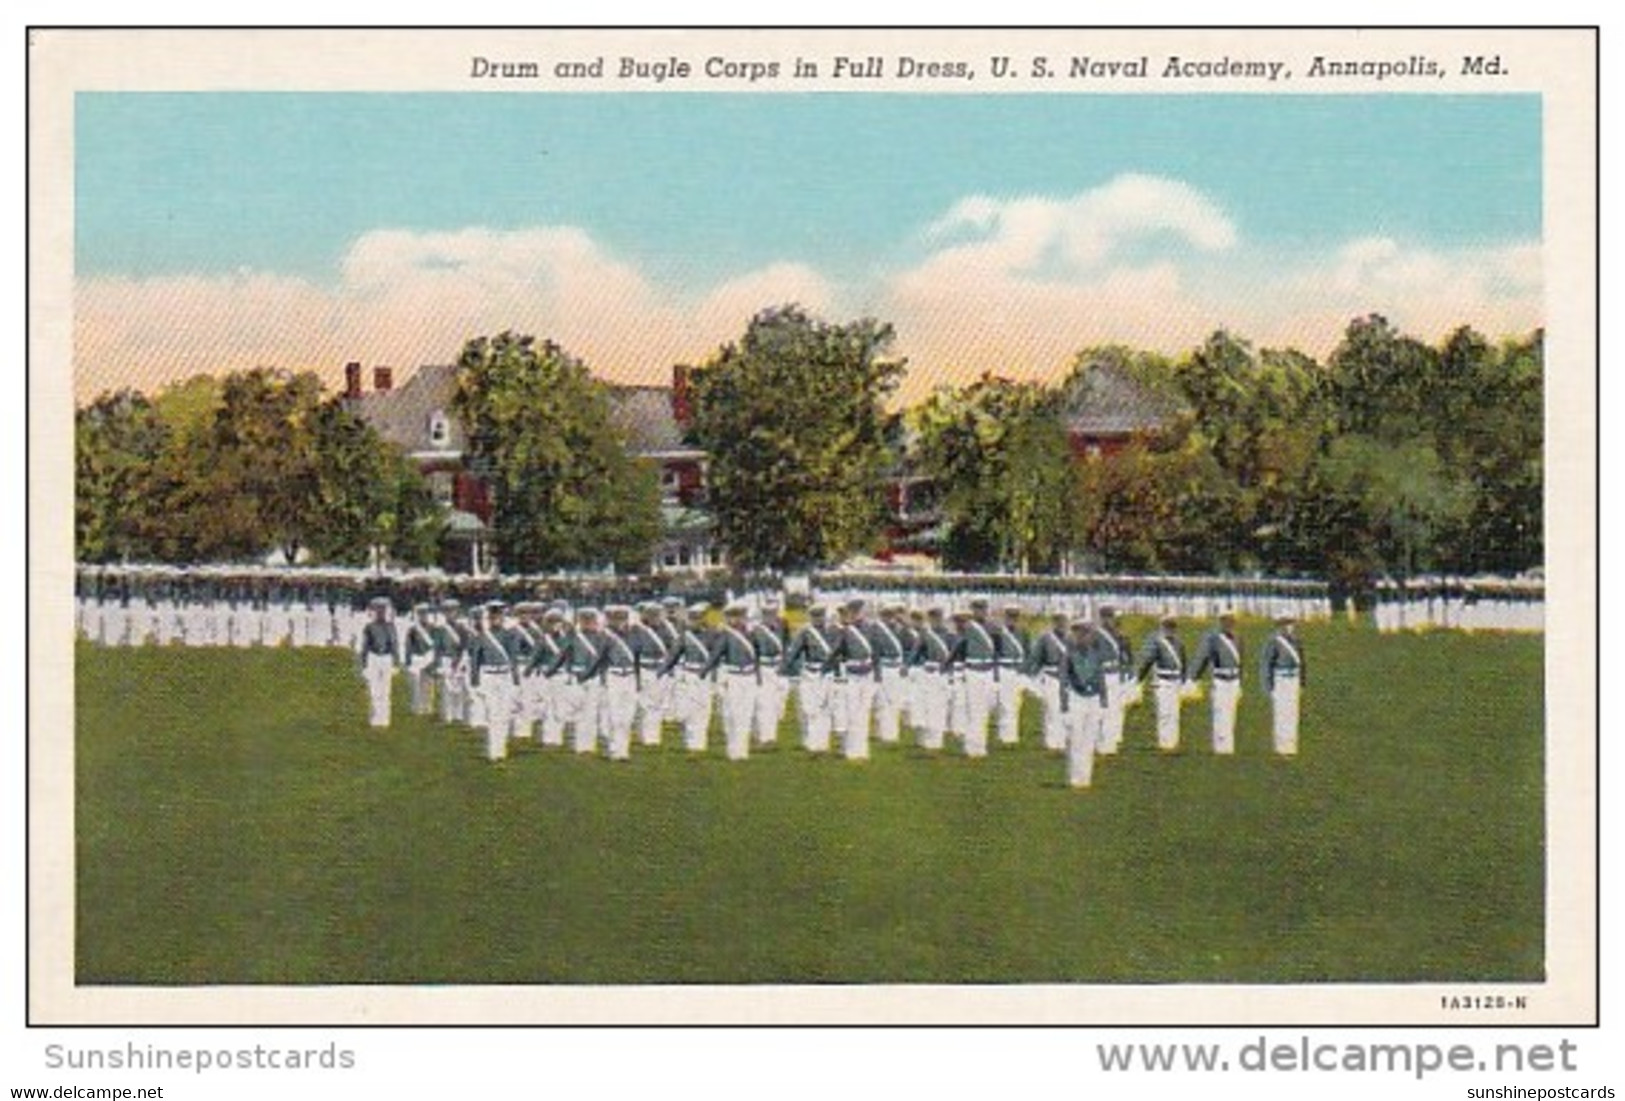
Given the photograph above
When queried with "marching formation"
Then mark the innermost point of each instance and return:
(1456, 603)
(598, 679)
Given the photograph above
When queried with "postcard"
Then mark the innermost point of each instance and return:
(1064, 526)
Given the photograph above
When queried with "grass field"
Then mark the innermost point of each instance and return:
(237, 822)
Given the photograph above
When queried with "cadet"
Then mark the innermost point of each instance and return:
(1283, 679)
(1220, 650)
(420, 660)
(650, 647)
(805, 665)
(889, 671)
(1115, 665)
(378, 652)
(617, 673)
(540, 686)
(1084, 701)
(448, 663)
(768, 638)
(736, 656)
(579, 692)
(493, 677)
(1164, 655)
(852, 663)
(1046, 663)
(1010, 655)
(692, 686)
(972, 661)
(929, 693)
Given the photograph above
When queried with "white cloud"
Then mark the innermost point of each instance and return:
(405, 298)
(1014, 286)
(1070, 238)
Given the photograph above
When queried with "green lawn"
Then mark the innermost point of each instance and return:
(237, 822)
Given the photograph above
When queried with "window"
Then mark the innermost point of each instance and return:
(443, 484)
(671, 484)
(439, 430)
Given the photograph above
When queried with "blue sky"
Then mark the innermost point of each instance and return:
(299, 209)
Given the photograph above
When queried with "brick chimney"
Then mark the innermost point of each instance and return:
(352, 380)
(682, 401)
(383, 378)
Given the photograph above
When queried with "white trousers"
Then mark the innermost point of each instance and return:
(617, 708)
(739, 696)
(853, 702)
(812, 709)
(1007, 692)
(973, 702)
(379, 673)
(1284, 705)
(1167, 697)
(691, 698)
(889, 702)
(496, 691)
(1111, 730)
(1226, 695)
(654, 707)
(1049, 699)
(420, 682)
(452, 687)
(929, 694)
(1083, 720)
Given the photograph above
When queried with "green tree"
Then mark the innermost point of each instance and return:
(1162, 503)
(117, 440)
(793, 416)
(564, 491)
(999, 454)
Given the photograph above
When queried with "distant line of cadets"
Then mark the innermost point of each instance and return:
(545, 672)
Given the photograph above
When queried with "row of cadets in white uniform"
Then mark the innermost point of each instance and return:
(604, 684)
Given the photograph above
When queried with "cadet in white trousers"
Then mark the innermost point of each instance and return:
(1046, 667)
(420, 658)
(617, 675)
(735, 657)
(852, 700)
(650, 648)
(1085, 702)
(1162, 656)
(928, 678)
(767, 636)
(692, 686)
(887, 644)
(378, 650)
(1115, 666)
(1220, 651)
(1010, 654)
(806, 663)
(1283, 679)
(975, 677)
(492, 678)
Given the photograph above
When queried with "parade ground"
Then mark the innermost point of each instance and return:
(239, 823)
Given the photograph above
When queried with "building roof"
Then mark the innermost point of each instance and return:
(403, 415)
(645, 414)
(1107, 401)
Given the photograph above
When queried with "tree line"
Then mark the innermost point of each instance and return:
(1393, 456)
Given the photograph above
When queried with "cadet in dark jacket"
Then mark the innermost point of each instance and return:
(930, 690)
(1046, 659)
(1220, 651)
(1283, 676)
(378, 654)
(806, 670)
(1162, 657)
(1085, 698)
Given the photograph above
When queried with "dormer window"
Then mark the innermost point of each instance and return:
(439, 430)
